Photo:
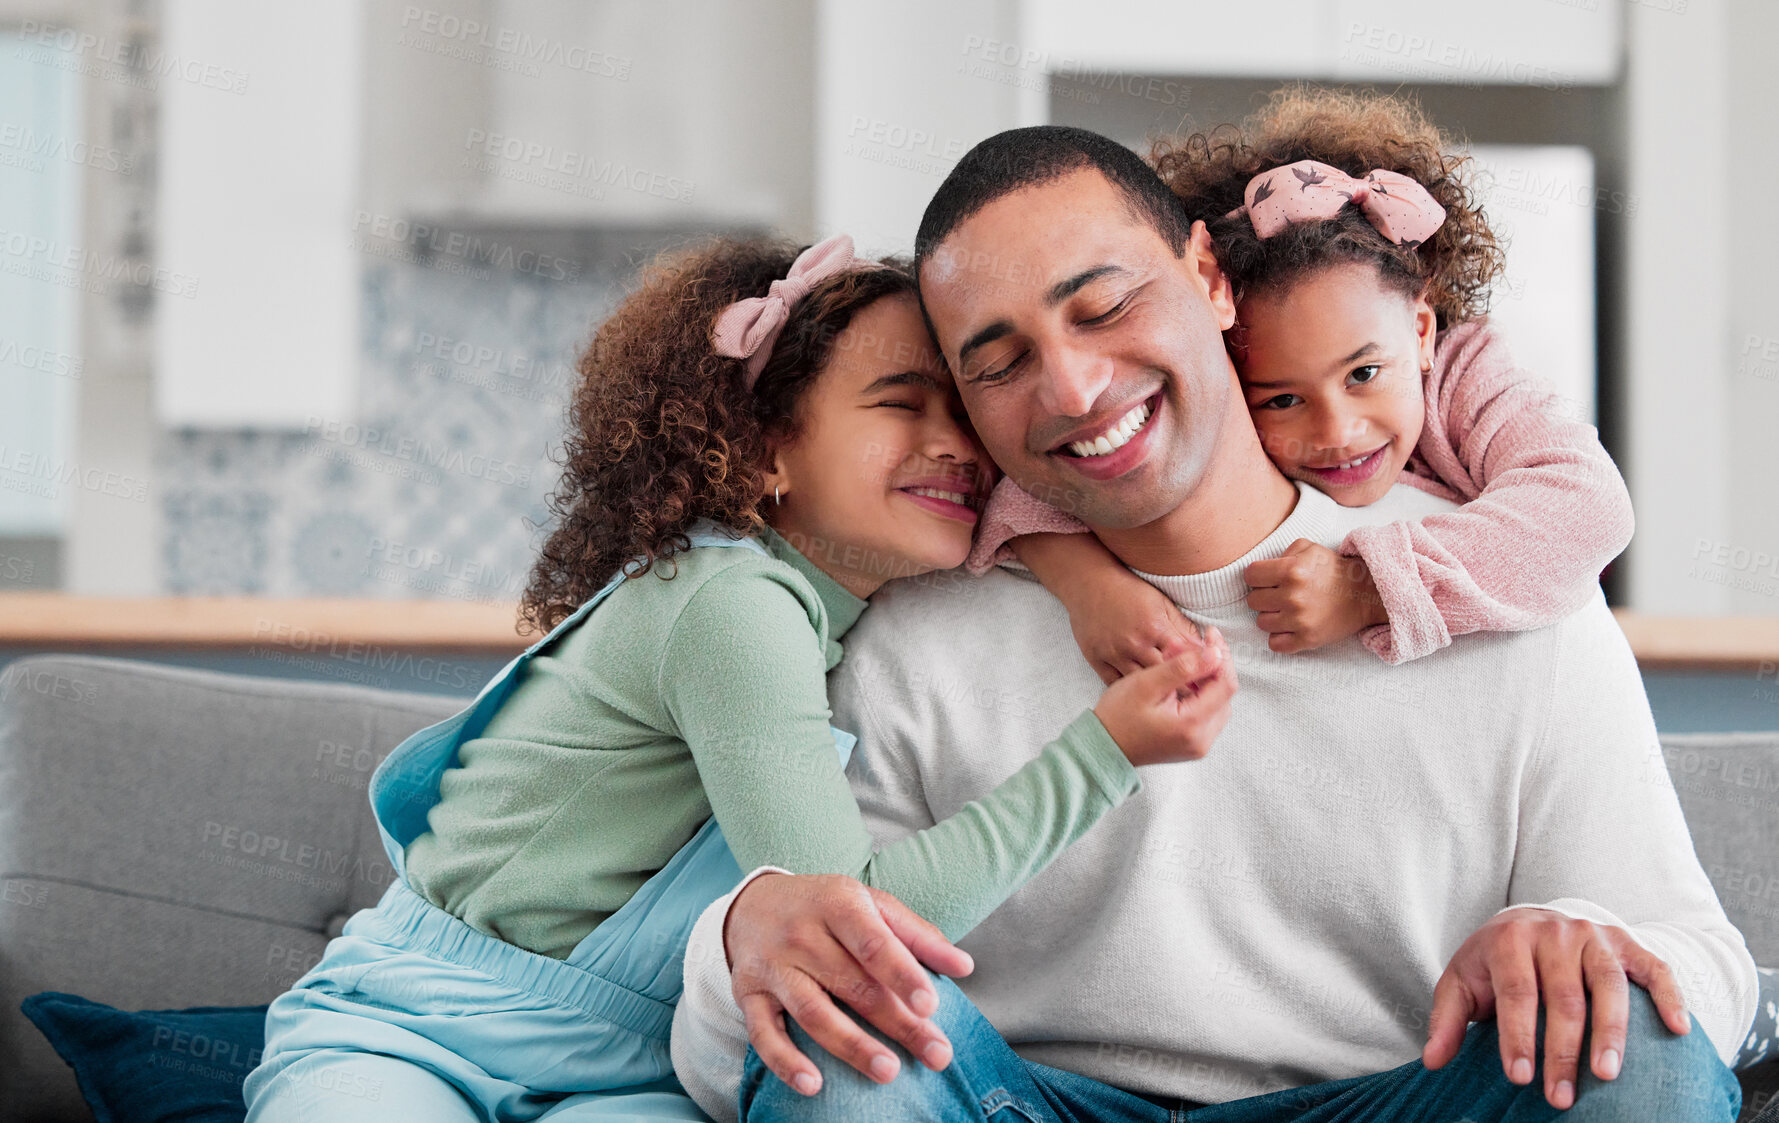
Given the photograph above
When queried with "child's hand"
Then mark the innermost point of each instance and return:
(1173, 710)
(1311, 596)
(1123, 624)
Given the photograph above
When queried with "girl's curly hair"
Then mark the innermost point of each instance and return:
(1354, 132)
(661, 430)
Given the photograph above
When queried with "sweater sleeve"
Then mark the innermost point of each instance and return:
(1546, 511)
(1601, 835)
(1011, 512)
(745, 680)
(709, 1041)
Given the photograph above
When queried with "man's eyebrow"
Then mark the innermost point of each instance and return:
(1057, 293)
(903, 378)
(1062, 290)
(983, 338)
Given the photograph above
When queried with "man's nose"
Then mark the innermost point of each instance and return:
(1073, 379)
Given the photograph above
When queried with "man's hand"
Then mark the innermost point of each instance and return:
(794, 941)
(1310, 596)
(1505, 965)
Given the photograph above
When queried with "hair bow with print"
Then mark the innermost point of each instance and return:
(1311, 191)
(748, 328)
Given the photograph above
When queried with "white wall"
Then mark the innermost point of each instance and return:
(1753, 294)
(902, 91)
(1678, 362)
(1527, 42)
(256, 324)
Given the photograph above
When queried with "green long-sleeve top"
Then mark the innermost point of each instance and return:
(701, 695)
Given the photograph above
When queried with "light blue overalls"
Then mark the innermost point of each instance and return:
(413, 1014)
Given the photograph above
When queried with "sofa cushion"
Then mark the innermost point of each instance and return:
(154, 1066)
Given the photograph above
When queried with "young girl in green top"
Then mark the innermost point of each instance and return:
(793, 403)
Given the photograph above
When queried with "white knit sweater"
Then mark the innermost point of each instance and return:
(1278, 913)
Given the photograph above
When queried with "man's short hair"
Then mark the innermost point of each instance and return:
(1037, 155)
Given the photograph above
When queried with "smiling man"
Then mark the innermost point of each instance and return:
(1304, 924)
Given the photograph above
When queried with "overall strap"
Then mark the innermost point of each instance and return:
(405, 787)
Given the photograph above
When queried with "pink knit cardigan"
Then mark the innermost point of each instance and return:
(1544, 508)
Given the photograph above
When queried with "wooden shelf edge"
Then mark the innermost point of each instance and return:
(74, 622)
(1702, 642)
(56, 620)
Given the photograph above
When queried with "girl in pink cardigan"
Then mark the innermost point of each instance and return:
(1361, 265)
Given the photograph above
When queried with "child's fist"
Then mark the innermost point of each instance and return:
(1310, 596)
(1126, 624)
(1173, 710)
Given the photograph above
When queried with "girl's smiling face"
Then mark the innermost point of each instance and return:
(1331, 366)
(886, 477)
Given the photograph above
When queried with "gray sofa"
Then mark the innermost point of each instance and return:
(175, 838)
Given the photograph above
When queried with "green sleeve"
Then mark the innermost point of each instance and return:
(745, 679)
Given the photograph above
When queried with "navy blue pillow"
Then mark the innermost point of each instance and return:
(148, 1066)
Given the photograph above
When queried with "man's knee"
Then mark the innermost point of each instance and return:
(1664, 1078)
(916, 1093)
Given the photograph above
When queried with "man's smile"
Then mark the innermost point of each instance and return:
(1106, 451)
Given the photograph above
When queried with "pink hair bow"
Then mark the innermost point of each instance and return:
(1310, 191)
(748, 328)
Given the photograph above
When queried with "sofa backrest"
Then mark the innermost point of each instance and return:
(172, 837)
(1728, 784)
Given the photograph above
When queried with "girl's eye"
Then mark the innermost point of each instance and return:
(1108, 313)
(1279, 401)
(1365, 374)
(911, 407)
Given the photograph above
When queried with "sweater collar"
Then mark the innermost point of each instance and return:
(1310, 518)
(842, 607)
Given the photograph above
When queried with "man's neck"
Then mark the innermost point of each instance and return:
(1240, 499)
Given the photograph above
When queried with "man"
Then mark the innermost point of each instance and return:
(1370, 858)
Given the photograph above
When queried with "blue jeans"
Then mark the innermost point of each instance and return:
(1665, 1079)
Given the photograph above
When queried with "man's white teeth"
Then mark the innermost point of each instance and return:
(1114, 438)
(957, 497)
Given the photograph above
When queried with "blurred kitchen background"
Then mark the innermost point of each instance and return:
(290, 295)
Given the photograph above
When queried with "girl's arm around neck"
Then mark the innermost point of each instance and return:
(1546, 507)
(745, 681)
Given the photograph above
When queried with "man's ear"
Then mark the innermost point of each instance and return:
(1202, 259)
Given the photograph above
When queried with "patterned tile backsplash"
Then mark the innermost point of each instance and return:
(436, 488)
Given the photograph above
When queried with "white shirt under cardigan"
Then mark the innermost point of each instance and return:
(1277, 913)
